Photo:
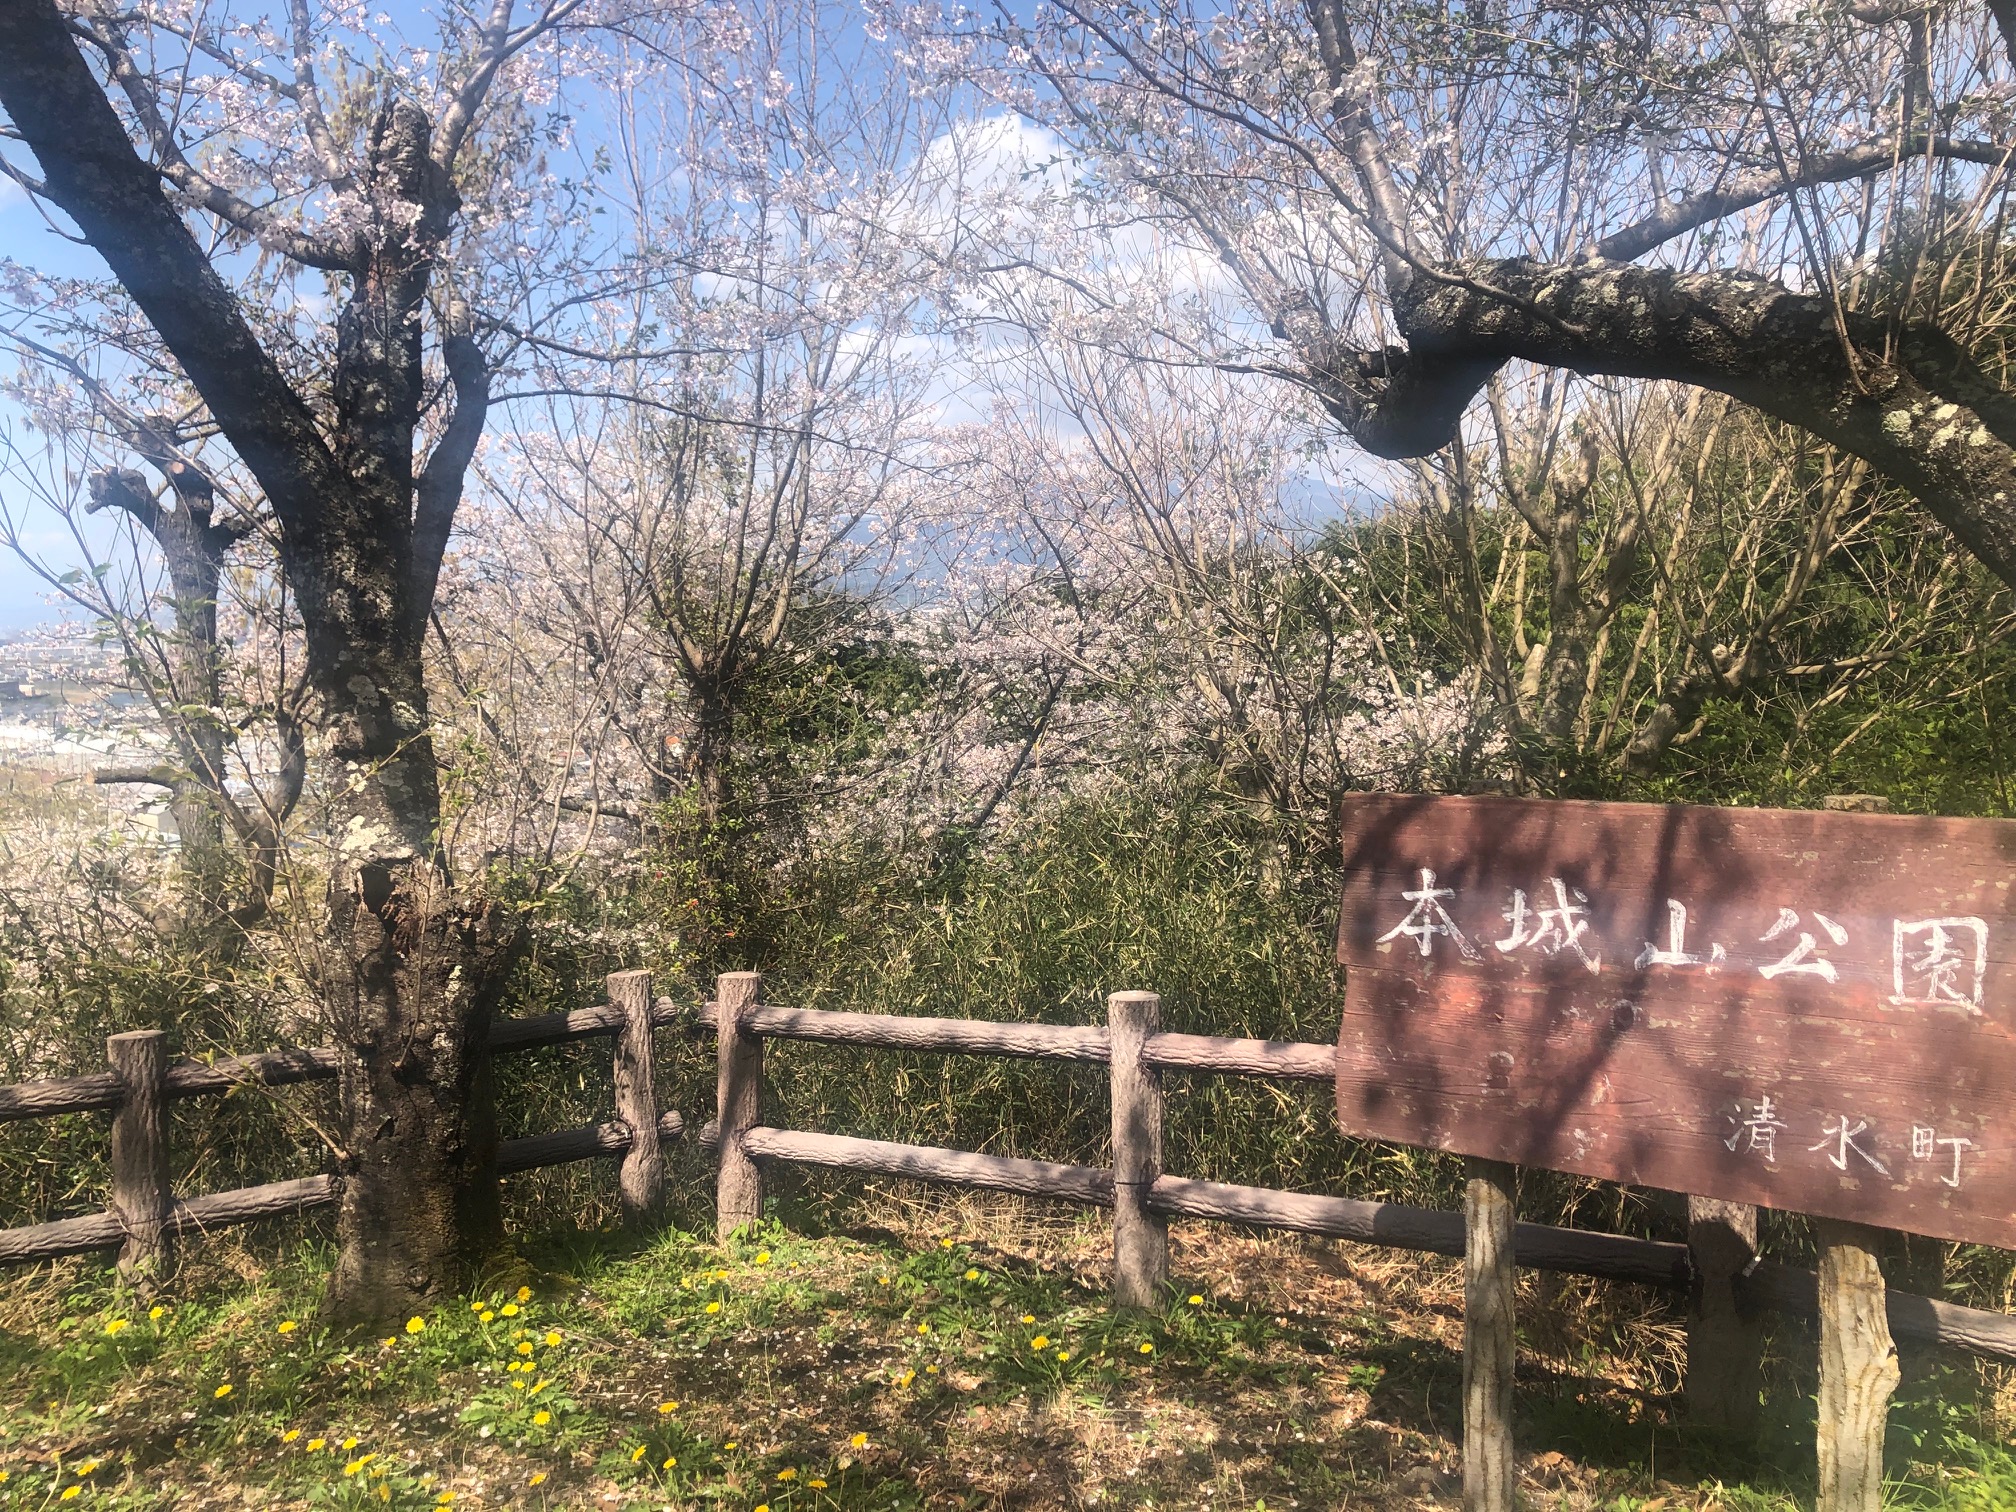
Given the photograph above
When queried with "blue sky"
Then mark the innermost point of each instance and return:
(26, 237)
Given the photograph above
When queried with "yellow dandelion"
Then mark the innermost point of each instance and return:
(816, 1484)
(154, 1314)
(358, 1464)
(762, 1257)
(859, 1441)
(1063, 1354)
(972, 1275)
(1028, 1317)
(115, 1325)
(552, 1338)
(350, 1443)
(668, 1406)
(713, 1307)
(444, 1498)
(88, 1466)
(384, 1492)
(720, 1275)
(1041, 1341)
(6, 1476)
(387, 1343)
(670, 1461)
(510, 1309)
(525, 1349)
(222, 1391)
(539, 1387)
(930, 1370)
(318, 1443)
(538, 1478)
(416, 1325)
(923, 1328)
(71, 1493)
(518, 1385)
(1147, 1348)
(1196, 1300)
(787, 1474)
(290, 1435)
(906, 1378)
(287, 1326)
(944, 1244)
(541, 1418)
(478, 1305)
(636, 1454)
(883, 1279)
(486, 1316)
(731, 1444)
(524, 1294)
(763, 1507)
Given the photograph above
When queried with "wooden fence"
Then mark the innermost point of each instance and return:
(144, 1214)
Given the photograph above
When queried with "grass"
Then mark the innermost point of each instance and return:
(930, 1355)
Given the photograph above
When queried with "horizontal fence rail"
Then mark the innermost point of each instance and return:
(1610, 1257)
(144, 1213)
(102, 1090)
(1613, 1257)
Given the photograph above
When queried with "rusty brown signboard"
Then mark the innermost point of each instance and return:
(1807, 1011)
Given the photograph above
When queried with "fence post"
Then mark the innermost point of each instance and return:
(1858, 1367)
(1140, 1238)
(140, 1193)
(640, 1181)
(738, 1187)
(1725, 1344)
(1490, 1345)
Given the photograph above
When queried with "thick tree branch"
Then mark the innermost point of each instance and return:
(1921, 412)
(438, 491)
(157, 776)
(1754, 188)
(94, 175)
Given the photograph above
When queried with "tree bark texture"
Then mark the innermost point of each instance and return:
(1912, 403)
(409, 969)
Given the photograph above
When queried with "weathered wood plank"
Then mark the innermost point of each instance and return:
(1277, 1060)
(1612, 1257)
(738, 1094)
(59, 1094)
(1803, 1010)
(995, 1173)
(1725, 1341)
(1858, 1369)
(65, 1236)
(640, 1183)
(98, 1231)
(271, 1068)
(1490, 1337)
(943, 1036)
(140, 1194)
(1140, 1235)
(275, 1199)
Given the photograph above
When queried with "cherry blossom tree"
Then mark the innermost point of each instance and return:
(1409, 201)
(326, 232)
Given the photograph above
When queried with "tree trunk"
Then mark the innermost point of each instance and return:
(408, 969)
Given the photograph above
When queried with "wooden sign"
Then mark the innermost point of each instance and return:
(1807, 1011)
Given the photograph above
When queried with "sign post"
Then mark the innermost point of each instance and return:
(1811, 1011)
